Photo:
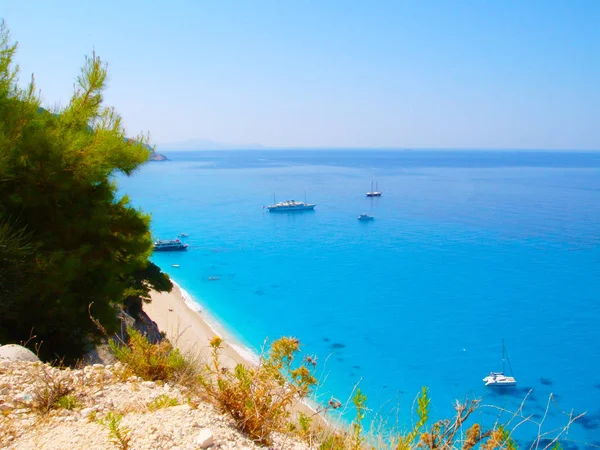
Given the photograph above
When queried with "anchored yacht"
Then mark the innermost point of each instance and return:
(169, 245)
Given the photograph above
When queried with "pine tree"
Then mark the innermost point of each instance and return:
(57, 191)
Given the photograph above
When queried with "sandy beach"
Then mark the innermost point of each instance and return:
(188, 329)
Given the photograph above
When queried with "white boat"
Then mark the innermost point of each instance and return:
(183, 235)
(169, 245)
(499, 379)
(290, 206)
(365, 216)
(374, 193)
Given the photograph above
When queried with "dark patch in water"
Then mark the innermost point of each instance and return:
(356, 367)
(336, 345)
(326, 339)
(589, 421)
(386, 386)
(339, 359)
(259, 292)
(597, 385)
(274, 286)
(520, 392)
(546, 381)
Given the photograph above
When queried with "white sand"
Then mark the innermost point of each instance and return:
(190, 330)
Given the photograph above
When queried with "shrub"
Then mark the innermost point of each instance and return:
(259, 399)
(149, 361)
(50, 388)
(118, 435)
(162, 401)
(67, 402)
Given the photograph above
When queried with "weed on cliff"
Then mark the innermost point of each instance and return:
(50, 388)
(149, 361)
(162, 401)
(260, 398)
(118, 434)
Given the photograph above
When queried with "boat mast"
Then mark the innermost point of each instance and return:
(304, 196)
(503, 356)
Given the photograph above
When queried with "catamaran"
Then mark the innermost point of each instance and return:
(499, 379)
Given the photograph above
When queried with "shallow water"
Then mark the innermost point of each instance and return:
(466, 248)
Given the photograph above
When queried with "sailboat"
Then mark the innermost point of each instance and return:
(374, 193)
(499, 379)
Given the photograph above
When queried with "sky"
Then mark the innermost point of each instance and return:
(329, 73)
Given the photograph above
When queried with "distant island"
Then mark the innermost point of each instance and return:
(157, 156)
(153, 155)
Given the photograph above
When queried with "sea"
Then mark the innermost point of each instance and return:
(467, 249)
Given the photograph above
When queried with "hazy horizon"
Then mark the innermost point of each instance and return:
(433, 74)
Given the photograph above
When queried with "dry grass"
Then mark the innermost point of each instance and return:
(50, 388)
(260, 398)
(149, 361)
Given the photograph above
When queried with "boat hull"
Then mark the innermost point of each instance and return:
(291, 208)
(173, 249)
(499, 380)
(373, 194)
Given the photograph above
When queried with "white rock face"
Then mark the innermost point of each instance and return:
(187, 426)
(205, 438)
(13, 352)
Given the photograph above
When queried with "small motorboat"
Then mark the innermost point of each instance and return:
(175, 265)
(183, 235)
(365, 216)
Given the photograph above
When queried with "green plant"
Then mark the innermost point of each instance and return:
(259, 398)
(162, 401)
(359, 401)
(149, 361)
(67, 402)
(50, 388)
(119, 435)
(66, 236)
(405, 442)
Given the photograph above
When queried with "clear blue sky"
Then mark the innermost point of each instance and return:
(409, 74)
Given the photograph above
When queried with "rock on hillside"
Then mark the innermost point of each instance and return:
(93, 393)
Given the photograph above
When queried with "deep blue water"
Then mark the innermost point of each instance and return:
(467, 248)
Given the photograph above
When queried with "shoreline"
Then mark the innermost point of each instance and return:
(190, 328)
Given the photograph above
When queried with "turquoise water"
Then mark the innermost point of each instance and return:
(466, 248)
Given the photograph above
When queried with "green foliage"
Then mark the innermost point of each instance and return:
(60, 216)
(162, 401)
(405, 442)
(67, 402)
(119, 435)
(149, 361)
(259, 398)
(360, 403)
